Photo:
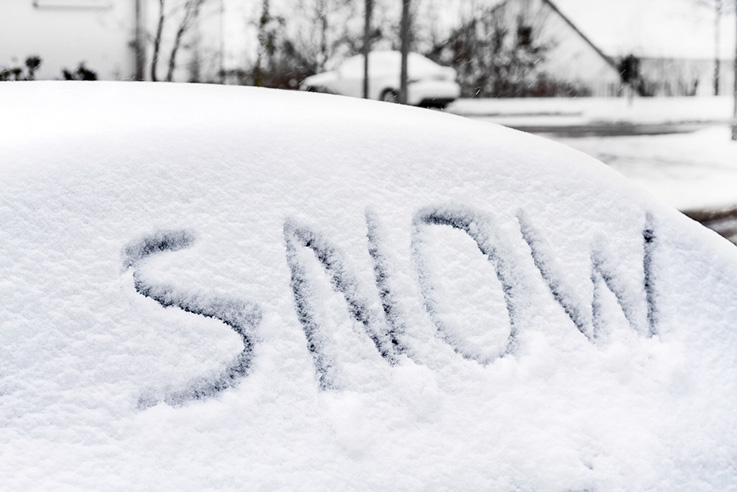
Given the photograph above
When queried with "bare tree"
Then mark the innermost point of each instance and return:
(718, 7)
(720, 10)
(266, 44)
(499, 51)
(157, 41)
(322, 6)
(189, 11)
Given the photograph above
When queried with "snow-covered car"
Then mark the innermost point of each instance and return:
(228, 288)
(429, 84)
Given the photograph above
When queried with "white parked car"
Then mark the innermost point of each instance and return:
(429, 84)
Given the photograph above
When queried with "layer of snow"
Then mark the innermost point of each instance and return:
(688, 171)
(694, 171)
(230, 288)
(587, 110)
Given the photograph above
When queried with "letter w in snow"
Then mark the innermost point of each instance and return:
(637, 304)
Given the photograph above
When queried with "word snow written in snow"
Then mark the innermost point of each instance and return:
(385, 327)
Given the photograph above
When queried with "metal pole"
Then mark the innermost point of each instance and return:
(404, 34)
(717, 44)
(221, 54)
(366, 47)
(734, 112)
(138, 44)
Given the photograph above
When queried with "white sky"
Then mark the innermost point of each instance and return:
(658, 28)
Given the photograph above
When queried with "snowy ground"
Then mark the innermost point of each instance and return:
(693, 171)
(587, 110)
(228, 288)
(688, 171)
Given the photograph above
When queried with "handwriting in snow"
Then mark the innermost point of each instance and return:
(385, 327)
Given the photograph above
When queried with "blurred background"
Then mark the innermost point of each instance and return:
(646, 86)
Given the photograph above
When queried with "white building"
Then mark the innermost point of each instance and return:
(102, 35)
(65, 33)
(676, 40)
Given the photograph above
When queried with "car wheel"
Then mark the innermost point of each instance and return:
(390, 95)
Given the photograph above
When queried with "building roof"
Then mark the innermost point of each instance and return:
(646, 28)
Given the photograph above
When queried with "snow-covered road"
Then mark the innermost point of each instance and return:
(584, 110)
(688, 171)
(678, 149)
(693, 172)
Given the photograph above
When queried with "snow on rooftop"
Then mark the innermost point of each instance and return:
(223, 288)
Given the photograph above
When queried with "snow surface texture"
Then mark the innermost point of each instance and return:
(694, 171)
(688, 171)
(212, 288)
